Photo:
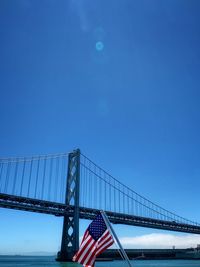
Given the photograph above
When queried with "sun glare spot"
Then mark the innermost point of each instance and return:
(99, 46)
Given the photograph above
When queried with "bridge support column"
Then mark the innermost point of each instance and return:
(70, 234)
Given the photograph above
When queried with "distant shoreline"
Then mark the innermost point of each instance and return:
(153, 254)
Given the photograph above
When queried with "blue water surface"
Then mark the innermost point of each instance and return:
(19, 261)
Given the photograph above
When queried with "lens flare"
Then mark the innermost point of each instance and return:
(99, 46)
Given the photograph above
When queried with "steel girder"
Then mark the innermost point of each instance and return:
(58, 209)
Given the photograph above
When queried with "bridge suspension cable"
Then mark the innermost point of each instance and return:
(45, 178)
(38, 177)
(100, 190)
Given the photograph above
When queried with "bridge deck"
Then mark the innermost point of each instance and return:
(59, 209)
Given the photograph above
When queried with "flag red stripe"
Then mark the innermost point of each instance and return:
(103, 248)
(104, 243)
(104, 237)
(91, 257)
(87, 255)
(86, 251)
(93, 252)
(84, 237)
(83, 248)
(91, 248)
(107, 240)
(77, 255)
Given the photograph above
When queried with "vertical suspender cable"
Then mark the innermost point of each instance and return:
(85, 185)
(88, 188)
(37, 176)
(128, 200)
(119, 198)
(110, 192)
(123, 200)
(143, 207)
(15, 177)
(62, 180)
(1, 171)
(100, 189)
(85, 191)
(105, 191)
(96, 190)
(43, 180)
(137, 209)
(93, 187)
(7, 177)
(56, 181)
(132, 204)
(23, 171)
(90, 185)
(50, 178)
(29, 182)
(114, 197)
(81, 184)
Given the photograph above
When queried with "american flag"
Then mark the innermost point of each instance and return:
(96, 239)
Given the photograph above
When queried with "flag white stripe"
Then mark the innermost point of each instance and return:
(91, 254)
(86, 240)
(91, 248)
(91, 257)
(84, 237)
(82, 248)
(92, 261)
(105, 236)
(103, 244)
(76, 258)
(109, 242)
(86, 250)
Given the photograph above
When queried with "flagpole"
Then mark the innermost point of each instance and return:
(109, 226)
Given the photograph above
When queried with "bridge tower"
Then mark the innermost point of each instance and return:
(70, 234)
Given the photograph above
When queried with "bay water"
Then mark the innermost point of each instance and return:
(36, 261)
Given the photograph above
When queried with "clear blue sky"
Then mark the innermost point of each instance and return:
(118, 79)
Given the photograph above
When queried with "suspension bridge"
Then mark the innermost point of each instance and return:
(73, 186)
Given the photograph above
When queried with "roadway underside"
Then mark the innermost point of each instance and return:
(59, 209)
